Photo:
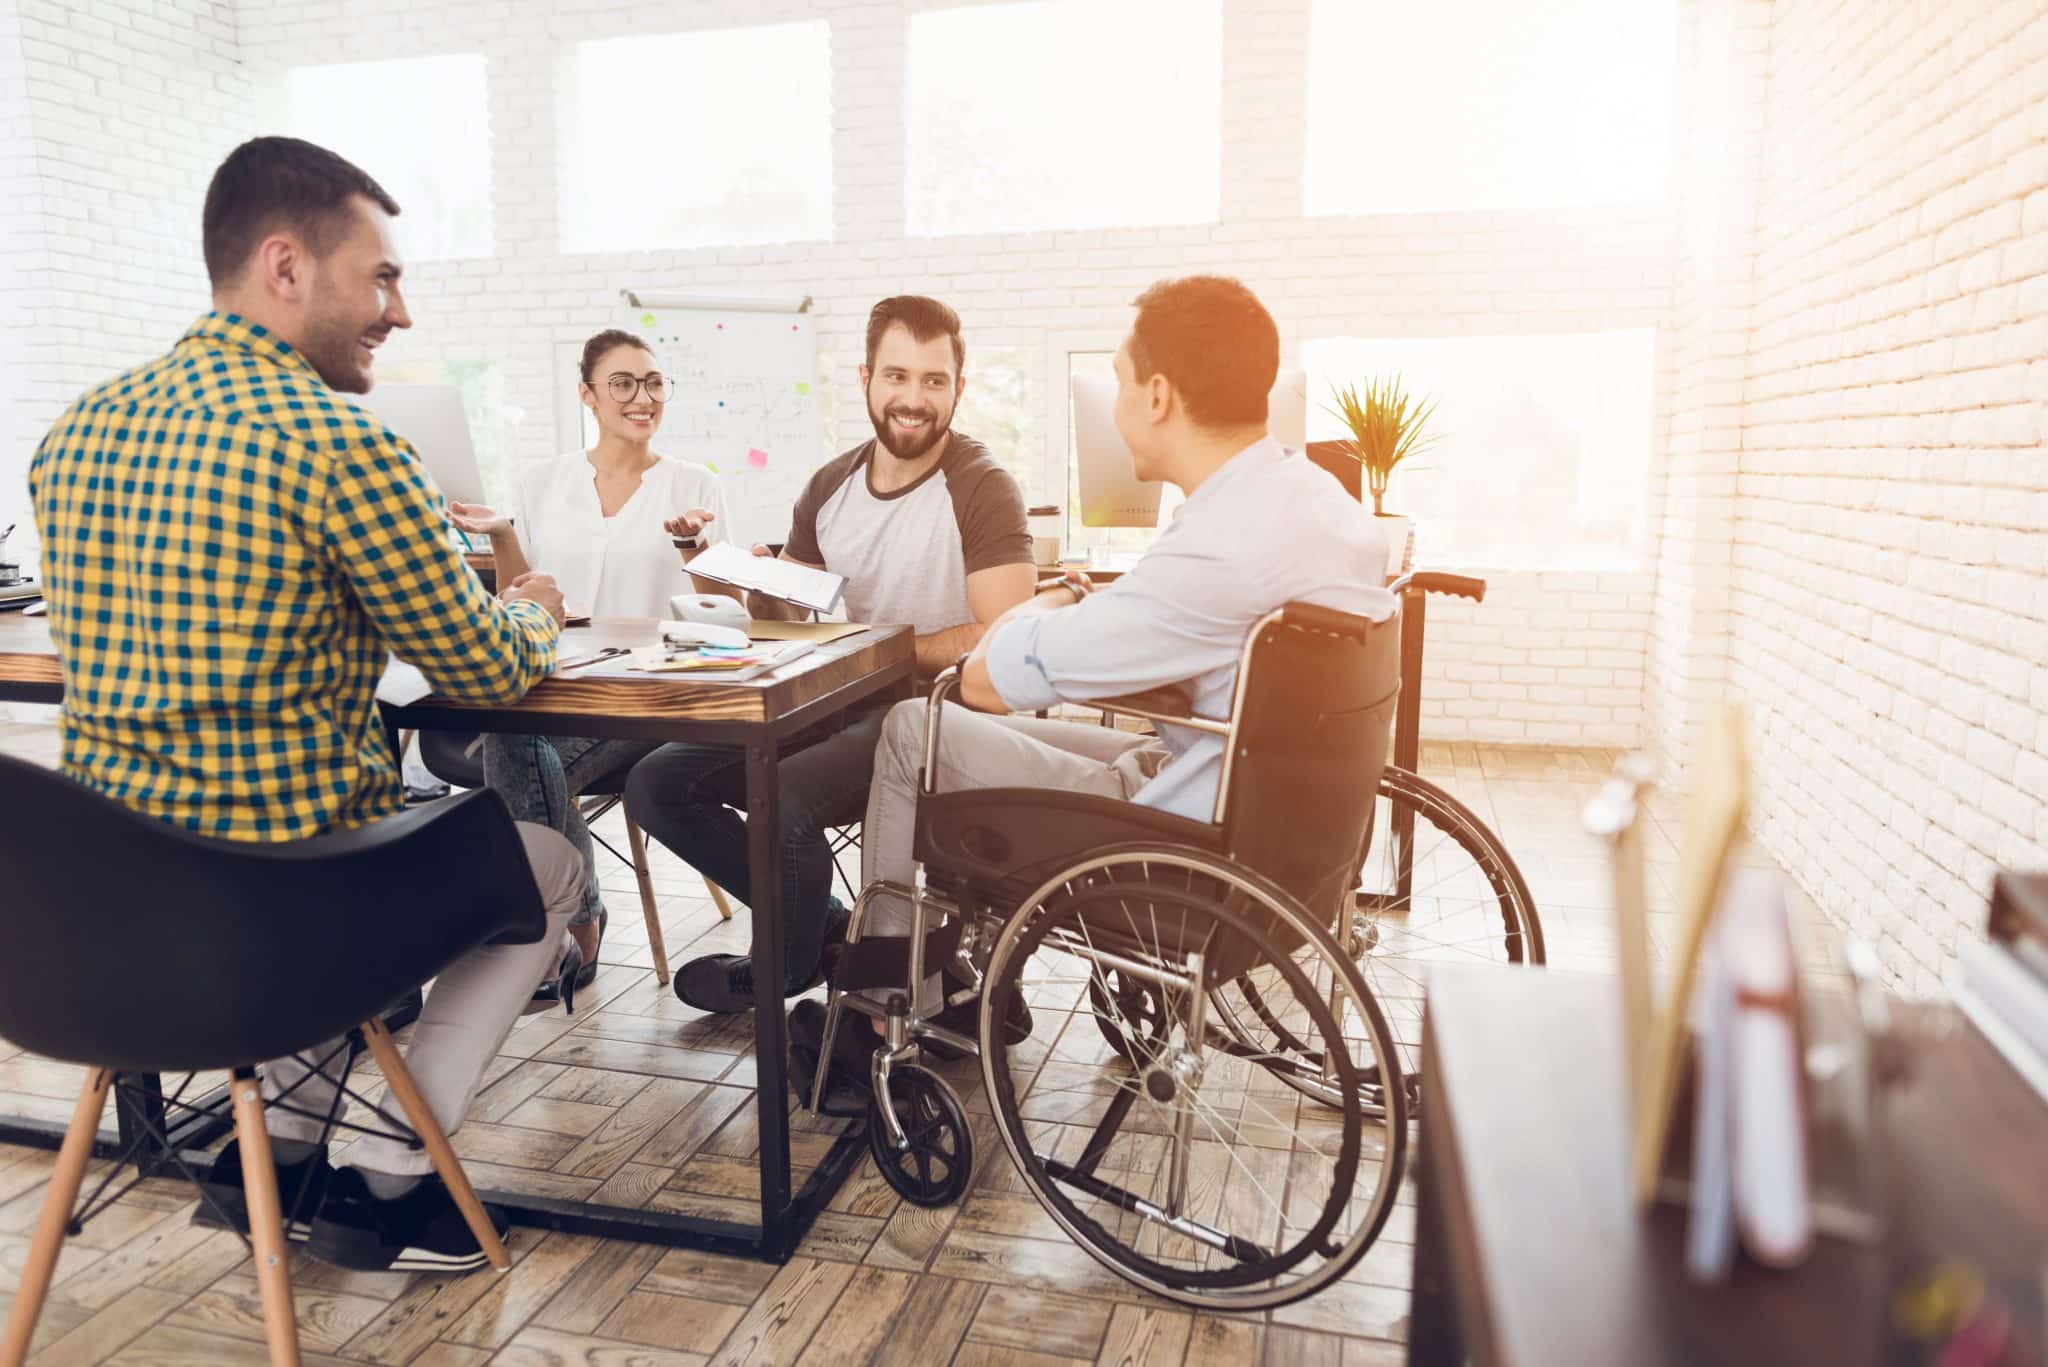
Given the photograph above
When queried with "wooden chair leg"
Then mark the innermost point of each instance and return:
(718, 900)
(399, 1079)
(637, 841)
(266, 1221)
(55, 1218)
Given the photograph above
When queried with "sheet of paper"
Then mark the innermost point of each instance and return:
(818, 633)
(727, 563)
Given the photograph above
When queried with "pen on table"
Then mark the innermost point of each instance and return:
(578, 661)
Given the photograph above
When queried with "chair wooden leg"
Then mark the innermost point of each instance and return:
(399, 1079)
(266, 1221)
(637, 841)
(55, 1218)
(718, 900)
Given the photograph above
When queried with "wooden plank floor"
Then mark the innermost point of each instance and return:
(638, 1100)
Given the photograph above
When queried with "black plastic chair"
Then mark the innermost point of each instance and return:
(137, 947)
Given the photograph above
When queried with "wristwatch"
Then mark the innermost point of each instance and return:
(692, 542)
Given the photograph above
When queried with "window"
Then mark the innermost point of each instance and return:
(995, 409)
(1488, 104)
(698, 139)
(1543, 459)
(421, 128)
(1064, 114)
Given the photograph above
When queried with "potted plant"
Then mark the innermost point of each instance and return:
(1386, 425)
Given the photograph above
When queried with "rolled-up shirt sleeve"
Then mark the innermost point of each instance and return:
(1174, 617)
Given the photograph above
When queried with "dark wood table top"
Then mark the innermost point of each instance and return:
(1524, 1119)
(28, 662)
(605, 699)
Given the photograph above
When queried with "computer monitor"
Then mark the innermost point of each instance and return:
(1113, 496)
(431, 417)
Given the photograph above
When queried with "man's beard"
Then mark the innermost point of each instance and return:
(912, 448)
(330, 346)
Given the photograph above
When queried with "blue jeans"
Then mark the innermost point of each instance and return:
(540, 776)
(690, 798)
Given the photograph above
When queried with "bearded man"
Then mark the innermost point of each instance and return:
(929, 530)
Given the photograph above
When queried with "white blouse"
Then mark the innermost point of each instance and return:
(624, 565)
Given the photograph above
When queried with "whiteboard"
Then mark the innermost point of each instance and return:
(749, 405)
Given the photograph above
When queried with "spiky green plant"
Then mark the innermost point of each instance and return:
(1386, 425)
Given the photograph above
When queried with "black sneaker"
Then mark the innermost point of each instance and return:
(301, 1187)
(847, 1087)
(718, 983)
(421, 1231)
(724, 983)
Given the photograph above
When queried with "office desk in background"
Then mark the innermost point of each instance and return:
(756, 716)
(1528, 1246)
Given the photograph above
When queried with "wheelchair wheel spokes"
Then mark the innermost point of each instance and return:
(1171, 1152)
(1436, 887)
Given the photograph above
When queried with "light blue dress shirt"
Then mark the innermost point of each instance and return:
(1268, 527)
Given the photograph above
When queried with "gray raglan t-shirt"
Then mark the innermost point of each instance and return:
(906, 555)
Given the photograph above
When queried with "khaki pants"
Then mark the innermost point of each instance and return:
(977, 750)
(467, 1015)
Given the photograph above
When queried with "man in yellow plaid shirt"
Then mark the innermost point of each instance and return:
(230, 552)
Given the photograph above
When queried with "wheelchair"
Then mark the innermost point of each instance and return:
(1208, 1098)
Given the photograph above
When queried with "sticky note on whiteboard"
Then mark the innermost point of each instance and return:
(802, 388)
(757, 458)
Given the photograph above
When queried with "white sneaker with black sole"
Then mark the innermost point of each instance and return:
(421, 1231)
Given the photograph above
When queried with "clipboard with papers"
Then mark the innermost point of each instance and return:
(726, 563)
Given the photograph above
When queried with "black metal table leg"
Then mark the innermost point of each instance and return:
(764, 874)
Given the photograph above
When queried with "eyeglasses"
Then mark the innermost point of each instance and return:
(660, 388)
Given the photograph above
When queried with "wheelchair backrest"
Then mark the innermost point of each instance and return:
(1310, 729)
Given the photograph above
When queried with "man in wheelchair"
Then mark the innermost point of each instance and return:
(1262, 526)
(1230, 1131)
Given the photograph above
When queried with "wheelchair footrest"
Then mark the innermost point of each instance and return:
(884, 960)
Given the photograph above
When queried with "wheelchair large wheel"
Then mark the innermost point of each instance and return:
(1168, 1150)
(1436, 886)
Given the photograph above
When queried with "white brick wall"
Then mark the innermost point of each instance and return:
(1413, 274)
(1693, 501)
(21, 281)
(130, 104)
(1890, 568)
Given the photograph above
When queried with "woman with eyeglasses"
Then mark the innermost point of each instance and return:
(606, 524)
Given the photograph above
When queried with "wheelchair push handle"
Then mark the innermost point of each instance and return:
(1436, 581)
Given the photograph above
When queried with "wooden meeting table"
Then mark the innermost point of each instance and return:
(759, 717)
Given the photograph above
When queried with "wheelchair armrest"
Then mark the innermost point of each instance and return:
(934, 710)
(1172, 705)
(1004, 842)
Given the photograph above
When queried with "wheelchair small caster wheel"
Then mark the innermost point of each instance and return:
(1129, 1012)
(934, 1167)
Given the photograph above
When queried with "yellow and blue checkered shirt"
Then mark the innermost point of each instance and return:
(229, 551)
